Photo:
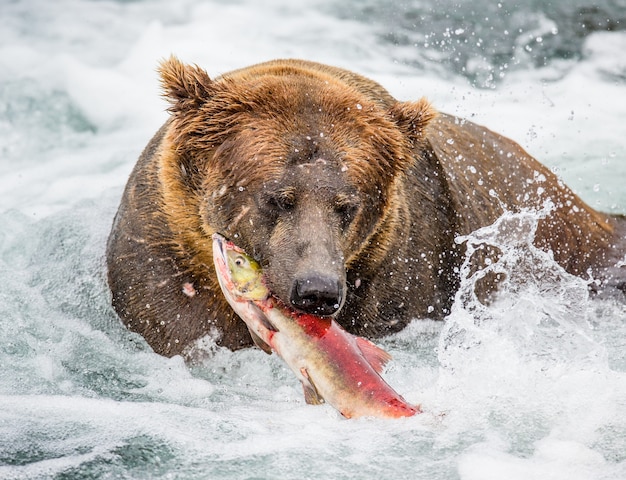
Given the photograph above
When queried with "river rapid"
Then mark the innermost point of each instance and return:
(531, 387)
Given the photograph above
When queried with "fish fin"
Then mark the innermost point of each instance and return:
(262, 318)
(375, 355)
(311, 395)
(267, 324)
(260, 343)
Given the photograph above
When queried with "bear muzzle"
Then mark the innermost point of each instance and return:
(318, 294)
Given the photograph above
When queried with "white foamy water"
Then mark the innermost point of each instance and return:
(531, 387)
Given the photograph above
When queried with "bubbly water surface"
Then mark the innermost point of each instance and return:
(531, 387)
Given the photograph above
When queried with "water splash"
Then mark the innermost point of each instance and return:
(539, 307)
(526, 365)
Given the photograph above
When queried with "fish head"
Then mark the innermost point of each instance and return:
(239, 274)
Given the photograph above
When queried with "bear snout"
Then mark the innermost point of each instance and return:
(318, 294)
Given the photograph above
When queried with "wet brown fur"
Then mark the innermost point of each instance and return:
(407, 169)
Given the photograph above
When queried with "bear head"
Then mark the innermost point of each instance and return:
(300, 168)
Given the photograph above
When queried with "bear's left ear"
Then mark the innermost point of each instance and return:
(184, 86)
(412, 118)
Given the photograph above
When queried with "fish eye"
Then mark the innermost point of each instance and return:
(240, 261)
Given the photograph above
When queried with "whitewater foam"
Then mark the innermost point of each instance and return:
(530, 386)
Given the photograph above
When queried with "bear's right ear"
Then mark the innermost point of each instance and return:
(184, 86)
(413, 118)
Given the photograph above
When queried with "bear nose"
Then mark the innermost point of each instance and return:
(317, 294)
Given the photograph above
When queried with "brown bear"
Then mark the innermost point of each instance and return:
(349, 199)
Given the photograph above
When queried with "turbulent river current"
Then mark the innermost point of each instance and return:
(531, 387)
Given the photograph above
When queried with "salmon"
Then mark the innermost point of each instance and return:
(334, 366)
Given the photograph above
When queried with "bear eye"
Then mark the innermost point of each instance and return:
(346, 206)
(284, 200)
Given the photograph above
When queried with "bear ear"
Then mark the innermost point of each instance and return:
(412, 118)
(184, 86)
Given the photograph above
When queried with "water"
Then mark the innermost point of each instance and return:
(533, 386)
